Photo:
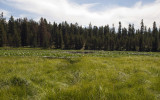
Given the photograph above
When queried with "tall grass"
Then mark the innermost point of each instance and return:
(116, 76)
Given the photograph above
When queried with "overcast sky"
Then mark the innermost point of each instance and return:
(98, 12)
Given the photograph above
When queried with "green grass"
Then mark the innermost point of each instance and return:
(27, 74)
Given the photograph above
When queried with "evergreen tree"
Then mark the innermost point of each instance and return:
(13, 35)
(124, 39)
(155, 43)
(44, 34)
(3, 35)
(119, 41)
(25, 33)
(141, 41)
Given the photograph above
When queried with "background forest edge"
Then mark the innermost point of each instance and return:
(24, 32)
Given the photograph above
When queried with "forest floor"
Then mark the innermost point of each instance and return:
(37, 74)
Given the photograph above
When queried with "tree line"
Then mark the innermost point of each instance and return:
(23, 32)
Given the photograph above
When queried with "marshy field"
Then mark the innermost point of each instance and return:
(37, 74)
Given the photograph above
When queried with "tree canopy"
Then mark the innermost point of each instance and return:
(23, 32)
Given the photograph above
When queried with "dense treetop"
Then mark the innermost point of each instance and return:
(23, 32)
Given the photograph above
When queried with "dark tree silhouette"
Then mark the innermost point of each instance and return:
(24, 32)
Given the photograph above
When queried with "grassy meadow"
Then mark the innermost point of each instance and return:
(36, 74)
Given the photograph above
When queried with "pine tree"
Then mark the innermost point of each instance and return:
(112, 39)
(155, 43)
(44, 34)
(3, 36)
(33, 33)
(141, 41)
(25, 33)
(124, 39)
(119, 41)
(13, 35)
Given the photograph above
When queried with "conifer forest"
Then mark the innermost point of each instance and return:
(23, 32)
